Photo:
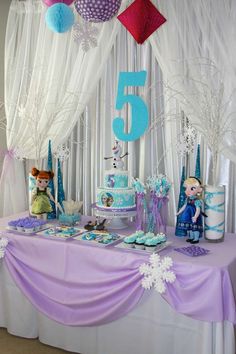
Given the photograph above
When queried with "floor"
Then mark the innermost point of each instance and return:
(15, 345)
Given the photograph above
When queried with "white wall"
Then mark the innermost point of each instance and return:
(4, 7)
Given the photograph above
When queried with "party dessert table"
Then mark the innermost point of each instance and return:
(89, 299)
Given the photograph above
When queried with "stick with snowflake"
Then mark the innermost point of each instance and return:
(206, 102)
(157, 273)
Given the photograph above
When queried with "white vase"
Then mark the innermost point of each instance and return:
(214, 202)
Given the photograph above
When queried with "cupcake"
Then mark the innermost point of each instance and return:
(129, 241)
(139, 233)
(151, 243)
(12, 225)
(139, 243)
(149, 235)
(161, 238)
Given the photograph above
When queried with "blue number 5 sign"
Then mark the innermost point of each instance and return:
(139, 120)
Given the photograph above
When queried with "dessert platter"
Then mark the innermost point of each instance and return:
(62, 232)
(99, 238)
(27, 226)
(149, 242)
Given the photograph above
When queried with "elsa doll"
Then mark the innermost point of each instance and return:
(190, 215)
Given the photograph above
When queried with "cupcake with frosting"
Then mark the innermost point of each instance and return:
(161, 237)
(151, 243)
(149, 235)
(129, 241)
(139, 243)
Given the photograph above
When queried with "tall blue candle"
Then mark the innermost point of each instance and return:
(182, 197)
(51, 215)
(61, 194)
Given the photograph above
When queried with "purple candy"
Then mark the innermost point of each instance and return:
(193, 251)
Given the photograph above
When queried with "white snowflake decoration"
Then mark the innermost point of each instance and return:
(119, 201)
(3, 245)
(62, 153)
(85, 35)
(187, 140)
(157, 273)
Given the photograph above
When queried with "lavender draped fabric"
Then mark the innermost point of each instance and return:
(75, 284)
(81, 285)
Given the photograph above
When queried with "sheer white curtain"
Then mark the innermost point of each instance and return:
(48, 82)
(155, 152)
(197, 33)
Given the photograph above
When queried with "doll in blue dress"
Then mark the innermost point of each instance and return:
(190, 215)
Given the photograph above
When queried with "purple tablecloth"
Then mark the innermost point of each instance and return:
(81, 285)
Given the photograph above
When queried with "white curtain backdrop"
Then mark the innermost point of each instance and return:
(193, 29)
(199, 33)
(48, 82)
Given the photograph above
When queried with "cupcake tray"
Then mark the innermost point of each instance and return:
(22, 232)
(155, 249)
(88, 238)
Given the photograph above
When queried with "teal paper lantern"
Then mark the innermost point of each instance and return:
(59, 18)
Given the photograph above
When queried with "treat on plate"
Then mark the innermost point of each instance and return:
(151, 243)
(129, 241)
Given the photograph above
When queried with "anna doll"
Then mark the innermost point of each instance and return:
(41, 196)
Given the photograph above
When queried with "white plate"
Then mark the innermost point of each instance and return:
(157, 249)
(95, 242)
(21, 232)
(62, 235)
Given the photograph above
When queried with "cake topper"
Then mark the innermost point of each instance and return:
(116, 156)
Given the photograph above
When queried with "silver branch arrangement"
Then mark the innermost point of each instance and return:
(208, 103)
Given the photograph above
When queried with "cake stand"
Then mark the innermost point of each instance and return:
(116, 218)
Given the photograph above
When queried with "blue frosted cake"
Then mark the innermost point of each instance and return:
(116, 193)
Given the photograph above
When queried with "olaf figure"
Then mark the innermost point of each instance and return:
(116, 156)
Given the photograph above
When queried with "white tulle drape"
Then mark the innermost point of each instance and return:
(193, 30)
(197, 42)
(49, 80)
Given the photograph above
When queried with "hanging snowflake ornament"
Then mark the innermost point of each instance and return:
(3, 245)
(157, 273)
(62, 153)
(187, 140)
(85, 35)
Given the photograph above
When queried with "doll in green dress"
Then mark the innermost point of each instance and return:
(41, 196)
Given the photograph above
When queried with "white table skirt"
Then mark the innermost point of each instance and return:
(152, 328)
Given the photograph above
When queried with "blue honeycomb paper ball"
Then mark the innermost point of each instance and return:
(59, 18)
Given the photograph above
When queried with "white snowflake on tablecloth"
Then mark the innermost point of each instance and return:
(3, 245)
(85, 35)
(62, 153)
(157, 273)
